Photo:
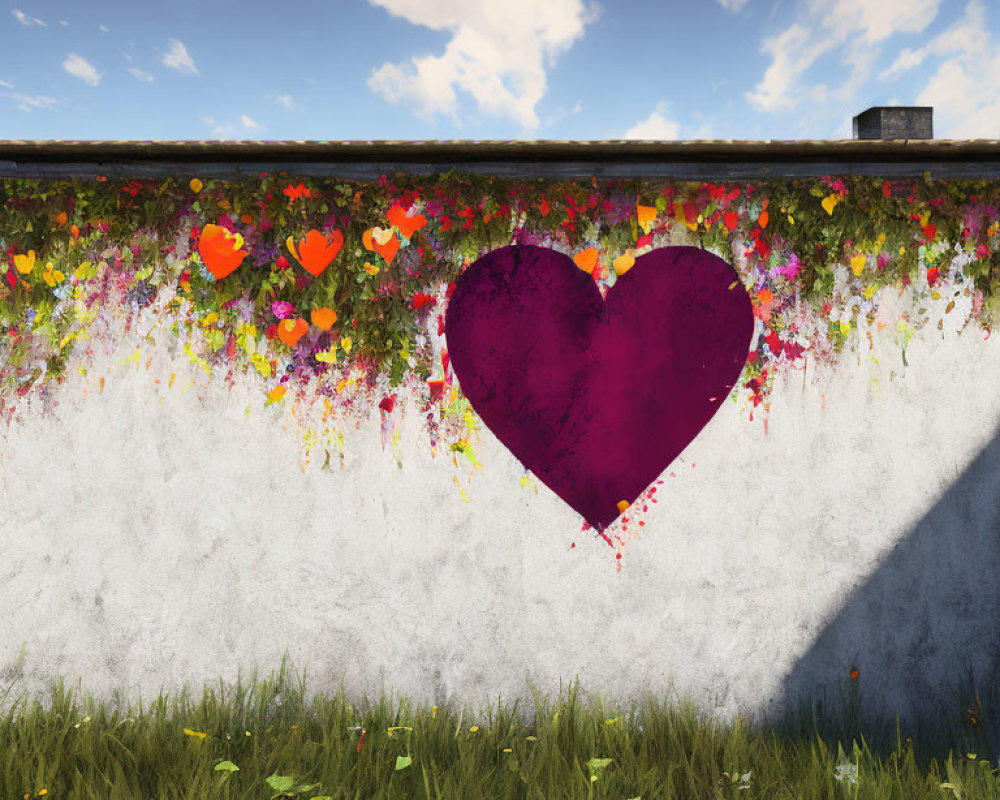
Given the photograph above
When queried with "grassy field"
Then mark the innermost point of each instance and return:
(267, 738)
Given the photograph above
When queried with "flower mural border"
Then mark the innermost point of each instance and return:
(335, 290)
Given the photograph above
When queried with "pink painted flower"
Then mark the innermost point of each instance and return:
(282, 309)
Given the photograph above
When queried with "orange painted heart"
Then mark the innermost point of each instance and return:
(316, 251)
(646, 216)
(405, 223)
(586, 259)
(383, 242)
(292, 329)
(220, 250)
(323, 318)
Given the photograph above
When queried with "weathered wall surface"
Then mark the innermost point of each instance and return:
(158, 536)
(230, 430)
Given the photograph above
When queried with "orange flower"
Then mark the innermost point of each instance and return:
(586, 259)
(406, 224)
(220, 250)
(855, 674)
(383, 242)
(646, 216)
(274, 396)
(323, 318)
(61, 218)
(316, 251)
(291, 330)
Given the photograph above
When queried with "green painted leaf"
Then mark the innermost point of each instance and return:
(402, 762)
(598, 765)
(280, 783)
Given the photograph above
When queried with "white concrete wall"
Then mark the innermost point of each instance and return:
(153, 537)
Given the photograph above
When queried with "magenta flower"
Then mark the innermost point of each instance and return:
(282, 309)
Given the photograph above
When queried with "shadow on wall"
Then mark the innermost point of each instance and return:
(923, 632)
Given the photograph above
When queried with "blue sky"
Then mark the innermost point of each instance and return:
(492, 69)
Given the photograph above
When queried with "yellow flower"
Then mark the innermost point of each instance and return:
(346, 344)
(196, 185)
(624, 262)
(857, 264)
(370, 268)
(25, 263)
(830, 202)
(52, 276)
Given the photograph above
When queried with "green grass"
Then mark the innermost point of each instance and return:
(288, 745)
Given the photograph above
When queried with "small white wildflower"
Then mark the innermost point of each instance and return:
(846, 773)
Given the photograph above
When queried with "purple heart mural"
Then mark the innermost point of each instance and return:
(596, 397)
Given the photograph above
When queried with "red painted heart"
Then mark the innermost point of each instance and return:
(597, 397)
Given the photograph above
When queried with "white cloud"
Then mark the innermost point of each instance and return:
(655, 126)
(103, 29)
(178, 58)
(792, 52)
(877, 21)
(851, 27)
(498, 53)
(64, 23)
(25, 20)
(229, 129)
(732, 5)
(907, 59)
(80, 68)
(27, 102)
(6, 85)
(140, 75)
(965, 88)
(226, 130)
(287, 101)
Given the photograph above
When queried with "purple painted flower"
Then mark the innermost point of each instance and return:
(282, 309)
(792, 268)
(264, 253)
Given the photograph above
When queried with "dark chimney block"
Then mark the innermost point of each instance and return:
(895, 122)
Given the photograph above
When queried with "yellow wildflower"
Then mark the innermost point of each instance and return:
(25, 263)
